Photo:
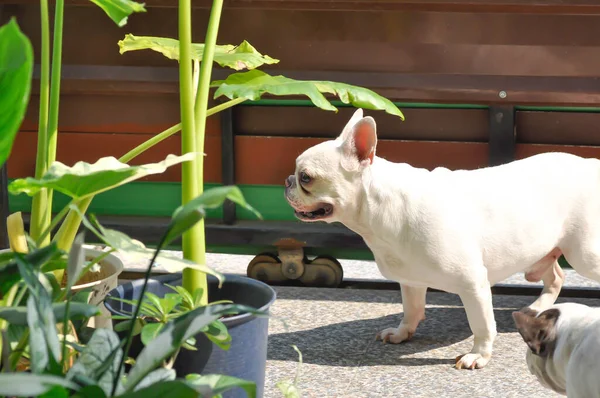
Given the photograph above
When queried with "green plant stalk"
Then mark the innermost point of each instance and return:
(7, 302)
(194, 279)
(68, 230)
(39, 206)
(54, 105)
(189, 170)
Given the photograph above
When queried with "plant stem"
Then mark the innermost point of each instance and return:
(189, 171)
(39, 206)
(67, 231)
(53, 223)
(54, 103)
(7, 302)
(194, 279)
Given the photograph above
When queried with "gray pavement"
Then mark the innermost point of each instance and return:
(335, 330)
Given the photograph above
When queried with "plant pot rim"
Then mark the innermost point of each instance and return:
(170, 278)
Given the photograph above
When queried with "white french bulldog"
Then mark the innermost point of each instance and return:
(564, 347)
(458, 231)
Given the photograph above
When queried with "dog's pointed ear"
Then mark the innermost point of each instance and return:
(360, 144)
(358, 114)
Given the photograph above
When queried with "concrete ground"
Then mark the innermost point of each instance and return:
(335, 330)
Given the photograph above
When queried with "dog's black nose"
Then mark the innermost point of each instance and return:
(289, 181)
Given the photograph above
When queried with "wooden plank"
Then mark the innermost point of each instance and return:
(116, 113)
(526, 150)
(515, 6)
(269, 160)
(558, 128)
(419, 124)
(418, 87)
(89, 147)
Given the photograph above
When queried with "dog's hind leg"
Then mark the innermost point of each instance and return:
(413, 302)
(553, 278)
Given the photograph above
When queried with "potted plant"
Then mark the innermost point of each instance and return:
(68, 359)
(81, 181)
(195, 66)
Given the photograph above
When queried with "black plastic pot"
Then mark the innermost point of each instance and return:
(247, 356)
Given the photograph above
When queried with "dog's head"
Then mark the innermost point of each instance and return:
(326, 183)
(538, 330)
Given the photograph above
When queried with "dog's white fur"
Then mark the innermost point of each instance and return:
(572, 370)
(458, 231)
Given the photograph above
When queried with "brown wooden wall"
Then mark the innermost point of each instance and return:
(433, 51)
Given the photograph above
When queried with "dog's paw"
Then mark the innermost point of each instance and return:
(471, 361)
(394, 335)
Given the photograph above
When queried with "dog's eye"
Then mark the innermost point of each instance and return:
(304, 178)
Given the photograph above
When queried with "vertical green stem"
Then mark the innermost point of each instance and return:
(54, 101)
(194, 279)
(189, 176)
(39, 207)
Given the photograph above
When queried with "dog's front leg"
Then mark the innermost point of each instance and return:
(413, 302)
(480, 314)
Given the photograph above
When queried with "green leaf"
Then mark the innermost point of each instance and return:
(150, 331)
(169, 302)
(135, 250)
(10, 271)
(176, 388)
(290, 389)
(97, 355)
(187, 299)
(85, 179)
(174, 334)
(253, 84)
(75, 261)
(186, 216)
(119, 10)
(56, 392)
(157, 376)
(90, 392)
(30, 385)
(18, 315)
(44, 347)
(43, 339)
(16, 69)
(217, 333)
(211, 385)
(242, 56)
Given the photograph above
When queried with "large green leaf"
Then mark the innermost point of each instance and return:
(174, 334)
(98, 350)
(159, 375)
(214, 385)
(44, 347)
(253, 84)
(242, 56)
(18, 315)
(30, 385)
(85, 179)
(119, 10)
(16, 68)
(134, 249)
(186, 216)
(175, 388)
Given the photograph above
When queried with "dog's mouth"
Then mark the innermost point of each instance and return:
(323, 211)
